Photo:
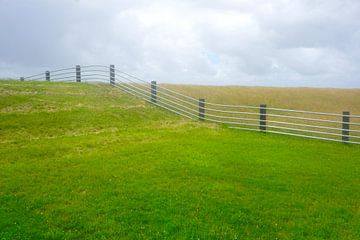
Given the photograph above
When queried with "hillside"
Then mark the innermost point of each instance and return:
(331, 100)
(87, 161)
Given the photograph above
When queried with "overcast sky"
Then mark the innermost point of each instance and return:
(313, 43)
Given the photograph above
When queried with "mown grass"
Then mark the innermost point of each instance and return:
(81, 161)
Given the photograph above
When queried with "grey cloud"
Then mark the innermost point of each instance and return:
(281, 43)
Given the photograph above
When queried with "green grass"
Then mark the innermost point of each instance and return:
(81, 161)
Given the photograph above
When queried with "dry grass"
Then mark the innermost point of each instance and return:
(312, 99)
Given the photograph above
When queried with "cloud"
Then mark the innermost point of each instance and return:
(237, 42)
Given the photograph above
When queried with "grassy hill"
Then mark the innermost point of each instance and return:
(81, 161)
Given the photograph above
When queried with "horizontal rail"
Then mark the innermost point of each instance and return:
(63, 77)
(310, 112)
(160, 87)
(94, 75)
(309, 125)
(232, 106)
(296, 135)
(309, 119)
(147, 99)
(95, 70)
(87, 79)
(281, 109)
(233, 118)
(280, 116)
(35, 79)
(309, 131)
(40, 74)
(149, 88)
(193, 110)
(227, 111)
(60, 74)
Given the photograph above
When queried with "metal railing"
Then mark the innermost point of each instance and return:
(336, 127)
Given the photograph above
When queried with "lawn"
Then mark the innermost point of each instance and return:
(86, 161)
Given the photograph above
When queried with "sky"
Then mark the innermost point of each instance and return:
(286, 43)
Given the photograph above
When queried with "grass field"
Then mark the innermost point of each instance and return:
(81, 161)
(311, 99)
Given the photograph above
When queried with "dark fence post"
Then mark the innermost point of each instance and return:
(112, 74)
(47, 75)
(153, 91)
(22, 79)
(262, 125)
(78, 73)
(201, 109)
(345, 126)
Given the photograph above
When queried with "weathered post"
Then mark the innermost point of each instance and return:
(262, 122)
(78, 73)
(153, 91)
(112, 74)
(345, 126)
(47, 75)
(22, 79)
(201, 109)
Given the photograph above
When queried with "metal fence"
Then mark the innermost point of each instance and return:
(339, 127)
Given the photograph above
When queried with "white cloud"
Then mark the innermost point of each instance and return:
(238, 42)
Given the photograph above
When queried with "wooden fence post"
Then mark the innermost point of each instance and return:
(78, 73)
(47, 75)
(112, 74)
(345, 126)
(201, 109)
(153, 91)
(262, 122)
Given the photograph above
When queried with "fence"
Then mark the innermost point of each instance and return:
(342, 127)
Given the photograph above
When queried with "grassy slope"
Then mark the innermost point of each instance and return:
(311, 99)
(82, 161)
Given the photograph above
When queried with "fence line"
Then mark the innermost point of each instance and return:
(324, 126)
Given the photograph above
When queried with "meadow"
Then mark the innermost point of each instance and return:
(87, 161)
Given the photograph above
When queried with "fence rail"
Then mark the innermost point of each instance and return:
(338, 127)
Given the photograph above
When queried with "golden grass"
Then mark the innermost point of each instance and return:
(312, 99)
